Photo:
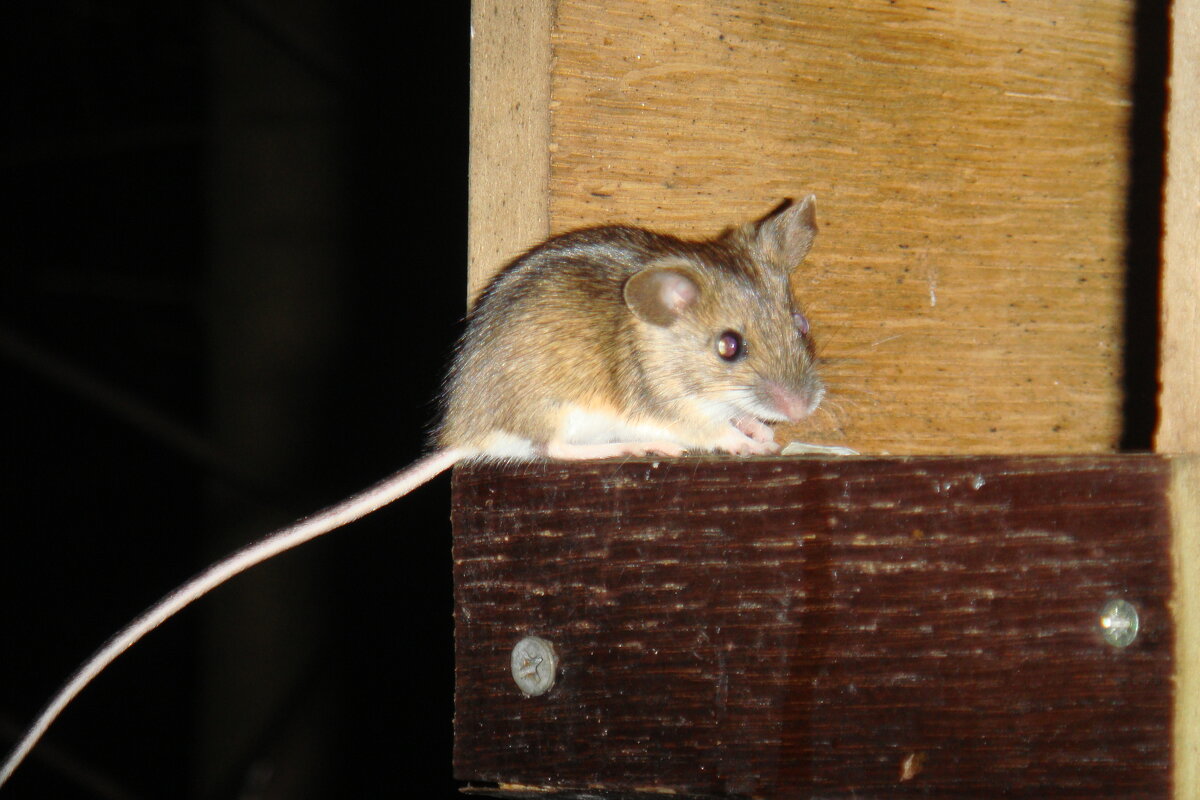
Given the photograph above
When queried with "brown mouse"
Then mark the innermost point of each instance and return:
(598, 343)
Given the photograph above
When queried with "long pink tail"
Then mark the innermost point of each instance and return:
(386, 491)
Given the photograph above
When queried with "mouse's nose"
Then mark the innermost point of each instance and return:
(795, 404)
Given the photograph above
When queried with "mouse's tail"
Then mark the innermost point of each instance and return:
(386, 491)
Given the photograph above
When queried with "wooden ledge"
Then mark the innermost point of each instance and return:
(778, 627)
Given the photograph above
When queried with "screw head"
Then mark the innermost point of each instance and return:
(1119, 623)
(534, 665)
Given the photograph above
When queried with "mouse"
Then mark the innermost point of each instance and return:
(604, 342)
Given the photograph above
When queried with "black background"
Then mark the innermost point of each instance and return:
(107, 141)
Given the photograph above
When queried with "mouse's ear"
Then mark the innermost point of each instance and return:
(785, 236)
(660, 293)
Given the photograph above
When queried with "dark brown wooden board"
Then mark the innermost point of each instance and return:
(798, 628)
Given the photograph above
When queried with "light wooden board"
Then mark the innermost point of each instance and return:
(970, 166)
(1185, 528)
(1179, 424)
(510, 130)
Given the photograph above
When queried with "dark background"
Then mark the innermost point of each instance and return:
(200, 192)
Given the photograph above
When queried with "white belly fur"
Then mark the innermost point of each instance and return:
(581, 426)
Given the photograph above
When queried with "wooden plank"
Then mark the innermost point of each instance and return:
(969, 160)
(788, 628)
(510, 132)
(1185, 523)
(1179, 417)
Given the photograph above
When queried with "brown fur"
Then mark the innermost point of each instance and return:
(555, 324)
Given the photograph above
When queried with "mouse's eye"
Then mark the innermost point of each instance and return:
(730, 346)
(801, 322)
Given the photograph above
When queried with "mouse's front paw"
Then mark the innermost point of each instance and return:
(739, 444)
(755, 429)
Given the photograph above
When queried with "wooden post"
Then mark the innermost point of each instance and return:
(510, 133)
(1179, 423)
(1185, 528)
(1179, 406)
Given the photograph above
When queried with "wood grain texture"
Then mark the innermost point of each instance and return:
(1179, 418)
(1185, 523)
(794, 628)
(969, 163)
(510, 129)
